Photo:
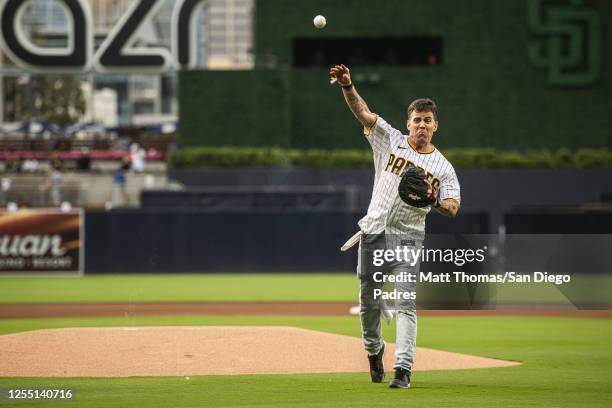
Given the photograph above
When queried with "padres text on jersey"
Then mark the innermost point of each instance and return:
(392, 154)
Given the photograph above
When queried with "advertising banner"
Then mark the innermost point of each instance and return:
(41, 241)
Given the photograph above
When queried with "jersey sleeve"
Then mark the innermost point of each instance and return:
(379, 135)
(449, 186)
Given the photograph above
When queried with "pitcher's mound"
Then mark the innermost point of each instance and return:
(206, 350)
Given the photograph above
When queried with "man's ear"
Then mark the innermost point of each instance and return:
(408, 126)
(435, 126)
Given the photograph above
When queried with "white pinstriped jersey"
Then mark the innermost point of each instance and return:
(392, 153)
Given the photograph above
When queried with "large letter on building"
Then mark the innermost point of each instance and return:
(116, 53)
(75, 57)
(184, 33)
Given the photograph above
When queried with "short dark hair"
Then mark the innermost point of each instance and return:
(423, 105)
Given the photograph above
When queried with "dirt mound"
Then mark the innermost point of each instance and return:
(206, 350)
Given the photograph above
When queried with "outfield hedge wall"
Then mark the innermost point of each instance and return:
(354, 158)
(490, 91)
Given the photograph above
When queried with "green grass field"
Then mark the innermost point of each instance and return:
(567, 362)
(181, 288)
(264, 287)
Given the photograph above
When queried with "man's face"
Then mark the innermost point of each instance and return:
(421, 127)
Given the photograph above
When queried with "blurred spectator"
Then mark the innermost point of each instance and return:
(30, 165)
(23, 203)
(122, 144)
(29, 142)
(138, 157)
(5, 187)
(13, 162)
(56, 161)
(53, 185)
(84, 160)
(63, 145)
(119, 192)
(55, 180)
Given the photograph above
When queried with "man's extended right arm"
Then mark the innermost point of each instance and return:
(355, 102)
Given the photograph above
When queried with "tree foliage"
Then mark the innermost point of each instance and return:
(55, 99)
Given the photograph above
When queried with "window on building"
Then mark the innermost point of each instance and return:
(400, 51)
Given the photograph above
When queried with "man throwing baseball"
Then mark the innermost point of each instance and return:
(411, 177)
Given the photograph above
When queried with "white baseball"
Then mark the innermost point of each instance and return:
(319, 21)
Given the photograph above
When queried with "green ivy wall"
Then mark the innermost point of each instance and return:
(490, 91)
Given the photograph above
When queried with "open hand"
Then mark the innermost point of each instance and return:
(341, 73)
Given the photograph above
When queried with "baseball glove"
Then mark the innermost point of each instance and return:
(413, 188)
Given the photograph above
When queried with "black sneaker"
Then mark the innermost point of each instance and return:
(377, 370)
(401, 380)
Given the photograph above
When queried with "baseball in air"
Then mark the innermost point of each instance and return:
(319, 21)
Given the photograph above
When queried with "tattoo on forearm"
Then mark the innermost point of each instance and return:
(355, 103)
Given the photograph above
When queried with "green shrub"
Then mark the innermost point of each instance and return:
(593, 158)
(354, 158)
